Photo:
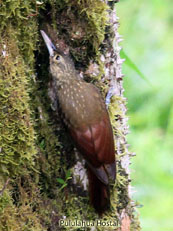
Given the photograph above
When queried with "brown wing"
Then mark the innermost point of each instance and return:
(96, 144)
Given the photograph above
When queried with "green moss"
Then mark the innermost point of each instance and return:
(20, 217)
(16, 131)
(95, 15)
(17, 136)
(18, 15)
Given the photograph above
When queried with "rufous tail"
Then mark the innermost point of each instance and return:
(99, 193)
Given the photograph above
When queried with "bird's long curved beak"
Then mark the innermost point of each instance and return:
(50, 46)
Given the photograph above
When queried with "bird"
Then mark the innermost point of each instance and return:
(87, 120)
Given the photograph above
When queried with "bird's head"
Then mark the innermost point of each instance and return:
(60, 64)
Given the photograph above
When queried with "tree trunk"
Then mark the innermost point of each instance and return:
(43, 183)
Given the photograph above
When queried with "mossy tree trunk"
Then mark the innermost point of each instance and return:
(42, 178)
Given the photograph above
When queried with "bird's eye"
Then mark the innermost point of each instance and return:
(57, 57)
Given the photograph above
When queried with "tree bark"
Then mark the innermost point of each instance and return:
(43, 181)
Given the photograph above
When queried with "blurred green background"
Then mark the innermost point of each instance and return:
(147, 29)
